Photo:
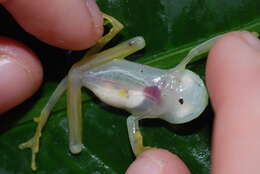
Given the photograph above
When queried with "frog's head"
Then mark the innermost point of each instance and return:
(184, 97)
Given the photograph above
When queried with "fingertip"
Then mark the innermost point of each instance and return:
(20, 73)
(157, 161)
(66, 24)
(232, 67)
(232, 75)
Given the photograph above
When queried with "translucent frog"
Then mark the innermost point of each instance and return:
(176, 95)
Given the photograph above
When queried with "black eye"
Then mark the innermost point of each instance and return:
(181, 101)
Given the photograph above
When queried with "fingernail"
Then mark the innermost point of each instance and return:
(96, 15)
(146, 164)
(251, 39)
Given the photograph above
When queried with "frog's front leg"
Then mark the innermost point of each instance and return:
(135, 136)
(202, 48)
(198, 50)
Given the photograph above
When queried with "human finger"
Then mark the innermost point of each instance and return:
(76, 24)
(232, 75)
(20, 73)
(157, 161)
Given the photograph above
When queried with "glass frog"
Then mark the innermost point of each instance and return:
(176, 95)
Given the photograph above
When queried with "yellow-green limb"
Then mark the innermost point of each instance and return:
(135, 136)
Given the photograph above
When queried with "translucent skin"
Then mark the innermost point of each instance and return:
(174, 95)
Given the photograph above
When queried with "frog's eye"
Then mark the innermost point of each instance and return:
(181, 101)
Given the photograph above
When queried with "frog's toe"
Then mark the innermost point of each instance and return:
(27, 144)
(141, 149)
(33, 144)
(76, 148)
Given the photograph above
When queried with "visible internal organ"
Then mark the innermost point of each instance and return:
(135, 101)
(152, 100)
(119, 98)
(154, 93)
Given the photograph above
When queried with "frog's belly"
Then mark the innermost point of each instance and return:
(121, 83)
(120, 98)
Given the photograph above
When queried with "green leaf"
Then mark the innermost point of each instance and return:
(171, 28)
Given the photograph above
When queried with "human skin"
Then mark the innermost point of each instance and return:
(232, 70)
(74, 25)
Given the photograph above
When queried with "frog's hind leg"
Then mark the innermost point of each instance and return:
(33, 143)
(74, 84)
(91, 53)
(91, 60)
(119, 51)
(135, 136)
